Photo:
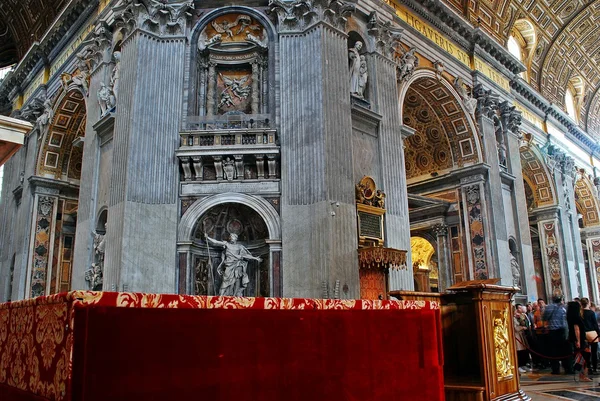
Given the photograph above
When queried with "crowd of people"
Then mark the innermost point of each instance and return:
(558, 333)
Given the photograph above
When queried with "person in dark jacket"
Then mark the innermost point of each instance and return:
(577, 338)
(592, 332)
(556, 344)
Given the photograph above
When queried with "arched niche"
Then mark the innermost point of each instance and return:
(445, 135)
(539, 184)
(253, 220)
(232, 65)
(60, 155)
(586, 201)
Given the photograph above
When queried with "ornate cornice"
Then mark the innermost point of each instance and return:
(298, 15)
(386, 37)
(158, 17)
(71, 19)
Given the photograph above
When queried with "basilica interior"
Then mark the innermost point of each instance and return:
(326, 149)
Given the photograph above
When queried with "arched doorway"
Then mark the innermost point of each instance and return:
(251, 222)
(542, 208)
(588, 209)
(56, 191)
(445, 176)
(425, 264)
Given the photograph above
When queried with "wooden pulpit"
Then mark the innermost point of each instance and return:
(480, 357)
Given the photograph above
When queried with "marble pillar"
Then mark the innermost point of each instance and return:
(520, 218)
(318, 209)
(143, 213)
(497, 237)
(393, 175)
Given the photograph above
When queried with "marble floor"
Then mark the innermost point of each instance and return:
(542, 386)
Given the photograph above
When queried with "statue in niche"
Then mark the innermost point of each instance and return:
(233, 266)
(364, 76)
(116, 72)
(106, 99)
(407, 64)
(94, 275)
(229, 169)
(516, 270)
(355, 71)
(469, 102)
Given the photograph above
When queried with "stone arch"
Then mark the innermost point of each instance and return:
(200, 59)
(537, 178)
(264, 209)
(586, 201)
(59, 158)
(445, 134)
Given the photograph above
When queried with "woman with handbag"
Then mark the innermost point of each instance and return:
(591, 333)
(577, 339)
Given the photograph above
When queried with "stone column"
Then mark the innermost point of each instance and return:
(520, 219)
(444, 260)
(317, 202)
(86, 215)
(255, 85)
(143, 213)
(477, 227)
(210, 92)
(391, 134)
(564, 175)
(593, 245)
(551, 240)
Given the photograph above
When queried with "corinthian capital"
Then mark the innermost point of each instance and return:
(440, 230)
(297, 15)
(511, 117)
(387, 38)
(487, 101)
(156, 16)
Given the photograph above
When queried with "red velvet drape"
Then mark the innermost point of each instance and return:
(224, 354)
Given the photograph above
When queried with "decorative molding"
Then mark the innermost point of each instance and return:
(298, 15)
(386, 37)
(158, 17)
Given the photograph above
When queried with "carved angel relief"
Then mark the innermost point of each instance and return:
(234, 91)
(233, 28)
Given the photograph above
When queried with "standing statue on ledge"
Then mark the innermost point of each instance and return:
(106, 99)
(116, 73)
(233, 266)
(356, 75)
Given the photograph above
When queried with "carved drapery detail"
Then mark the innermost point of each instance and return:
(382, 258)
(300, 14)
(158, 17)
(387, 38)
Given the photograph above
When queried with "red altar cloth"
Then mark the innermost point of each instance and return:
(123, 346)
